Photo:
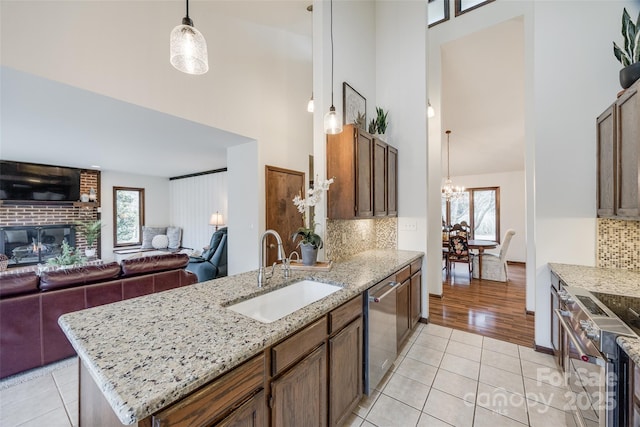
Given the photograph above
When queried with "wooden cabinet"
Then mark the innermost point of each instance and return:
(251, 413)
(403, 304)
(345, 372)
(618, 137)
(415, 293)
(366, 172)
(299, 396)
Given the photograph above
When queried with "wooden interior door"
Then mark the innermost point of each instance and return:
(282, 185)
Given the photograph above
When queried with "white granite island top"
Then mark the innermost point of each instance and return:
(607, 281)
(146, 353)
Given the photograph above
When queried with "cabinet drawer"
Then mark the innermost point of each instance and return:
(295, 347)
(344, 314)
(205, 405)
(403, 274)
(416, 265)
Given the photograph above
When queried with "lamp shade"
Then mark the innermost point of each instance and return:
(188, 49)
(216, 219)
(332, 122)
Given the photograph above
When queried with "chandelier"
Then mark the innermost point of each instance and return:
(450, 191)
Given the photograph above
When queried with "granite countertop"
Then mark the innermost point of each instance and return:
(604, 280)
(607, 281)
(146, 353)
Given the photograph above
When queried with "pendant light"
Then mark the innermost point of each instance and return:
(449, 191)
(310, 106)
(430, 111)
(188, 48)
(332, 122)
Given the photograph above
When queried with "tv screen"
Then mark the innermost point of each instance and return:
(34, 182)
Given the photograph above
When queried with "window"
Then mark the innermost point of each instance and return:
(463, 6)
(438, 11)
(480, 208)
(128, 216)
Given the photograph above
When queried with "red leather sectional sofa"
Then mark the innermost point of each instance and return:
(30, 304)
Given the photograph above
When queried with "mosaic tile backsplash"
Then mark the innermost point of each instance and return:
(618, 244)
(345, 238)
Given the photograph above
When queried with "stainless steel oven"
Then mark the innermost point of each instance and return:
(588, 332)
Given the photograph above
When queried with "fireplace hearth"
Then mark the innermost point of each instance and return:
(28, 245)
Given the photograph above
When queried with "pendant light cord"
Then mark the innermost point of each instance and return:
(187, 8)
(448, 153)
(331, 52)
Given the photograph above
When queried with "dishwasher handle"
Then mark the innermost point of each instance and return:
(392, 288)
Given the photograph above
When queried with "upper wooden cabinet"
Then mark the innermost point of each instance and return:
(618, 136)
(365, 169)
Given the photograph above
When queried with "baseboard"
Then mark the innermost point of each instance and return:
(440, 296)
(423, 320)
(541, 349)
(517, 263)
(530, 313)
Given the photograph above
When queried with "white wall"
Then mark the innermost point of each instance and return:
(512, 206)
(156, 201)
(192, 201)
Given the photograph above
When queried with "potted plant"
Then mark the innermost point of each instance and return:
(373, 126)
(629, 57)
(309, 242)
(91, 231)
(68, 257)
(381, 121)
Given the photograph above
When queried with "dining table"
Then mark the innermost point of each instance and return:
(480, 246)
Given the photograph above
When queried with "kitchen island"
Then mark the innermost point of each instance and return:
(146, 353)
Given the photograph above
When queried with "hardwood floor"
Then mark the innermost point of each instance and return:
(492, 309)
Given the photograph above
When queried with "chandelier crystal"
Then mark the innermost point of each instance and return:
(450, 191)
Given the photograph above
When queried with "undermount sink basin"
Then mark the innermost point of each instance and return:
(269, 307)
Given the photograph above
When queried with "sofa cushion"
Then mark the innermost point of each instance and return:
(12, 284)
(154, 263)
(175, 237)
(82, 275)
(148, 233)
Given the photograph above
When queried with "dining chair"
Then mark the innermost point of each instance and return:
(494, 266)
(459, 249)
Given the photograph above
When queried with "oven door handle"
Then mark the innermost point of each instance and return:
(576, 343)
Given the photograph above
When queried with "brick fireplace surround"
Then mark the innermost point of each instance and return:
(56, 213)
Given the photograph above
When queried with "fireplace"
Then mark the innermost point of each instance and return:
(28, 245)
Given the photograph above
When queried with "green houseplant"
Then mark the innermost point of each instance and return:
(68, 256)
(91, 231)
(629, 56)
(381, 121)
(310, 241)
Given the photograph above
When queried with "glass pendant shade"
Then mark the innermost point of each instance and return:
(188, 49)
(310, 105)
(430, 111)
(332, 122)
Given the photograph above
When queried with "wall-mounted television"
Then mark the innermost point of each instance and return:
(34, 182)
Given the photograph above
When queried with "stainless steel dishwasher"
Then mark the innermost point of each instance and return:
(380, 341)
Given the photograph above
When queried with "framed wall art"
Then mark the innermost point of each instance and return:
(354, 106)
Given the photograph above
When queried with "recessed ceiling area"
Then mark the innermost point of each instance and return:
(52, 123)
(483, 100)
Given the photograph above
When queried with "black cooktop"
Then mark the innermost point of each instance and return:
(625, 307)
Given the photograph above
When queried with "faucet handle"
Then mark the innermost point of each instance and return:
(287, 267)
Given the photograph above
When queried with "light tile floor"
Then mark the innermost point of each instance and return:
(443, 377)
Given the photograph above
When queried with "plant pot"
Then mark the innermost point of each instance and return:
(629, 75)
(309, 254)
(90, 253)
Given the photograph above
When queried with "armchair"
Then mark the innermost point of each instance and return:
(213, 262)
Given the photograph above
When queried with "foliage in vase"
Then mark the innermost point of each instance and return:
(307, 233)
(381, 121)
(69, 256)
(91, 231)
(373, 126)
(631, 35)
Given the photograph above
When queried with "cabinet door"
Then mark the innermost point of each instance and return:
(345, 372)
(402, 312)
(392, 181)
(299, 397)
(251, 413)
(628, 135)
(415, 298)
(379, 178)
(364, 175)
(606, 185)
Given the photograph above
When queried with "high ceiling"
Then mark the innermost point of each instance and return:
(483, 100)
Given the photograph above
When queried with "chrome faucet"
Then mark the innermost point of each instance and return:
(262, 274)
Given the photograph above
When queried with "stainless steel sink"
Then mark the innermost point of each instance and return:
(269, 307)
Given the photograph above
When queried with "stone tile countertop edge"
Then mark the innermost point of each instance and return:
(145, 353)
(608, 281)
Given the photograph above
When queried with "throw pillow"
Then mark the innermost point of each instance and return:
(148, 233)
(175, 236)
(161, 241)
